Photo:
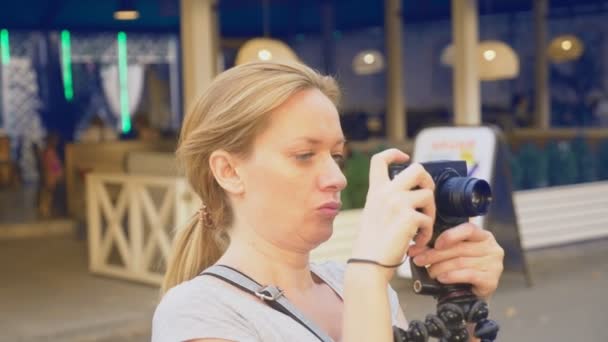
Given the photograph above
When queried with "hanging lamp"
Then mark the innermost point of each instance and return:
(565, 48)
(368, 62)
(264, 48)
(126, 10)
(496, 60)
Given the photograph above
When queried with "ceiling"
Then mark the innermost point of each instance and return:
(243, 18)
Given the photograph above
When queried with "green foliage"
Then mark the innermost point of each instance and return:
(356, 170)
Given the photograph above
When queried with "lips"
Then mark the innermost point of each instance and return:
(330, 209)
(331, 206)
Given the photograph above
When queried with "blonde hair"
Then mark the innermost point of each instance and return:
(229, 115)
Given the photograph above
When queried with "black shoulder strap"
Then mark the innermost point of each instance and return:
(272, 295)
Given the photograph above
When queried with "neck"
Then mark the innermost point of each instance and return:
(267, 263)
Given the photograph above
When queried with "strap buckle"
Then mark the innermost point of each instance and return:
(269, 293)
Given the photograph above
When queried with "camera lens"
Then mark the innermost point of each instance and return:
(463, 197)
(475, 198)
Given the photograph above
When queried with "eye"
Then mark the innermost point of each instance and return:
(304, 156)
(340, 160)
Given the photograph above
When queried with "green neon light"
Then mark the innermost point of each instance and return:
(125, 116)
(5, 46)
(66, 60)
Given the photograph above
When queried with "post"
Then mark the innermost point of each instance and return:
(199, 43)
(395, 99)
(542, 106)
(467, 103)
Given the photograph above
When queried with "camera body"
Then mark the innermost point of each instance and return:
(457, 196)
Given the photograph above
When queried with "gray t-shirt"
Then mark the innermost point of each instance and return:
(207, 308)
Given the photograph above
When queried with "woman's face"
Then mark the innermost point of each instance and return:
(293, 179)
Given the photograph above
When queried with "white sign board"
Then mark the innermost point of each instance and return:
(475, 145)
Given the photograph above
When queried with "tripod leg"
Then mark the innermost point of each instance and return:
(417, 332)
(452, 316)
(486, 330)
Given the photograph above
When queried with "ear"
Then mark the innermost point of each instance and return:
(223, 166)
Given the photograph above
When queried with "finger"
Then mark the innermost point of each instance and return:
(414, 176)
(413, 221)
(454, 265)
(483, 283)
(464, 249)
(401, 230)
(422, 199)
(425, 229)
(462, 276)
(378, 169)
(416, 250)
(464, 232)
(425, 203)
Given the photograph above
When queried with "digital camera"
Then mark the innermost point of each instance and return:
(457, 196)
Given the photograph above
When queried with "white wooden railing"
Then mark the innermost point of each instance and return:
(130, 223)
(563, 214)
(131, 219)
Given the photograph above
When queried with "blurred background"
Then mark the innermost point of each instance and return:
(93, 93)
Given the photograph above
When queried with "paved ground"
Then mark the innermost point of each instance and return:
(18, 204)
(46, 294)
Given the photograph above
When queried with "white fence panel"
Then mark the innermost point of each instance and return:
(131, 220)
(564, 214)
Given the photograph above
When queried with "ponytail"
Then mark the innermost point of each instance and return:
(194, 249)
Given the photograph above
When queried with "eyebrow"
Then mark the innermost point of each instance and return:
(315, 141)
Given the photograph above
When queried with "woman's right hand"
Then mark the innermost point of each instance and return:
(396, 211)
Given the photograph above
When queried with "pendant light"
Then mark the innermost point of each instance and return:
(565, 48)
(264, 48)
(368, 62)
(126, 10)
(496, 60)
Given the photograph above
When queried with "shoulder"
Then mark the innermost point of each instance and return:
(331, 272)
(198, 288)
(198, 308)
(183, 302)
(332, 269)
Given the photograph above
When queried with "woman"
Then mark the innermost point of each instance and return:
(262, 148)
(52, 175)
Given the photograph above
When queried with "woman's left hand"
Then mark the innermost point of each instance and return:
(464, 254)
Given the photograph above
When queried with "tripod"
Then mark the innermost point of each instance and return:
(456, 305)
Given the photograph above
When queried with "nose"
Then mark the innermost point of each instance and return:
(332, 178)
